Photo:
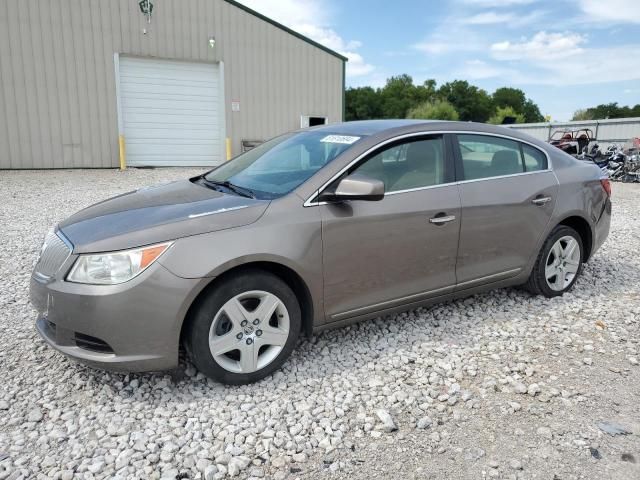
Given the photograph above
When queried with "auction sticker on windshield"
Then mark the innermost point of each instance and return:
(340, 139)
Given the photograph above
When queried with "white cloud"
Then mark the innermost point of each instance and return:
(613, 11)
(592, 65)
(505, 19)
(496, 3)
(542, 46)
(560, 59)
(480, 70)
(310, 18)
(453, 38)
(438, 48)
(489, 18)
(465, 34)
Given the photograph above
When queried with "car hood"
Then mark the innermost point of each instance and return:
(156, 214)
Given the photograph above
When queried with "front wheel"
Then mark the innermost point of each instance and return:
(245, 328)
(559, 263)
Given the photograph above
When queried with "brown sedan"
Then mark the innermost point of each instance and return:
(312, 230)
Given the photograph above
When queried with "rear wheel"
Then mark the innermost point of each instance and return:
(559, 263)
(245, 328)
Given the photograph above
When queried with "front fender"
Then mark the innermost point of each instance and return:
(291, 238)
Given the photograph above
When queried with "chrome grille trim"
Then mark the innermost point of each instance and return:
(55, 251)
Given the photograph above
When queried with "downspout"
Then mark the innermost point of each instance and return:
(344, 89)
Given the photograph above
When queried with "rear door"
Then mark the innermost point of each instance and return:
(507, 194)
(380, 254)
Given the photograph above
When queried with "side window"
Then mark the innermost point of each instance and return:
(407, 165)
(534, 159)
(484, 156)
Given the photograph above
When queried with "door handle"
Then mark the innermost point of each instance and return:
(442, 220)
(541, 201)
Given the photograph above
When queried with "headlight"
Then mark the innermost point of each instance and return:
(115, 267)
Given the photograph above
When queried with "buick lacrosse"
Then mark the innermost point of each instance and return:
(311, 230)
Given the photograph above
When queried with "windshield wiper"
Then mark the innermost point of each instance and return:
(243, 192)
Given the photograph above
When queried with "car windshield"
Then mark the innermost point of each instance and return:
(276, 167)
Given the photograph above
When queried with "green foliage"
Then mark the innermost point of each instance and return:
(502, 112)
(607, 110)
(362, 103)
(472, 103)
(400, 98)
(531, 112)
(509, 97)
(582, 114)
(516, 99)
(434, 110)
(400, 94)
(391, 101)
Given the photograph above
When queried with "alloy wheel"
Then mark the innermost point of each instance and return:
(563, 263)
(249, 331)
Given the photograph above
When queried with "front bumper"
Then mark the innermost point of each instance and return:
(134, 326)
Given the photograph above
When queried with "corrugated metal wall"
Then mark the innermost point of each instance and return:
(57, 78)
(616, 130)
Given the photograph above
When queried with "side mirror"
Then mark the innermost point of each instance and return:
(359, 187)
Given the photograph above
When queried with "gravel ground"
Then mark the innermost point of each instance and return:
(501, 385)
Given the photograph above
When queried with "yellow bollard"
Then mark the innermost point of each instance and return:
(123, 156)
(228, 143)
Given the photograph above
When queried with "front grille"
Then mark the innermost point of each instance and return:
(54, 253)
(92, 343)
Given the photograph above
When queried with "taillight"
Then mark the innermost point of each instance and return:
(606, 184)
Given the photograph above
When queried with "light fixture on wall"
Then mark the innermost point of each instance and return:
(146, 7)
(212, 41)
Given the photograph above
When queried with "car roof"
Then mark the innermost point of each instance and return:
(370, 127)
(381, 129)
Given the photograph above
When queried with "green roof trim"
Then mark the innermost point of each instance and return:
(287, 29)
(344, 91)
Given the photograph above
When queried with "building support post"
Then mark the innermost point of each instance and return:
(123, 153)
(228, 143)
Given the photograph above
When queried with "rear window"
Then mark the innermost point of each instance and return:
(534, 159)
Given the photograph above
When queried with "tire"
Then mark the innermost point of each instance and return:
(226, 317)
(542, 281)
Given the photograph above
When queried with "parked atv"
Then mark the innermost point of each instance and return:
(573, 142)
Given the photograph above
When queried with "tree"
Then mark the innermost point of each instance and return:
(434, 110)
(362, 103)
(503, 112)
(606, 110)
(582, 114)
(472, 103)
(400, 94)
(532, 112)
(397, 96)
(516, 99)
(509, 97)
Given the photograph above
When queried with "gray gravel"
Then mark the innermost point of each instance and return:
(501, 385)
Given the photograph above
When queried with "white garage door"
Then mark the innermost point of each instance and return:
(171, 112)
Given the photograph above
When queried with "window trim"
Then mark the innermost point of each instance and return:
(312, 201)
(460, 162)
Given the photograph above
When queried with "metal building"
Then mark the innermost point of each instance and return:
(606, 132)
(77, 75)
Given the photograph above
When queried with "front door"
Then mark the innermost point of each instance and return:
(401, 249)
(508, 195)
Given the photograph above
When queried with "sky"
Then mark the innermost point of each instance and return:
(564, 54)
